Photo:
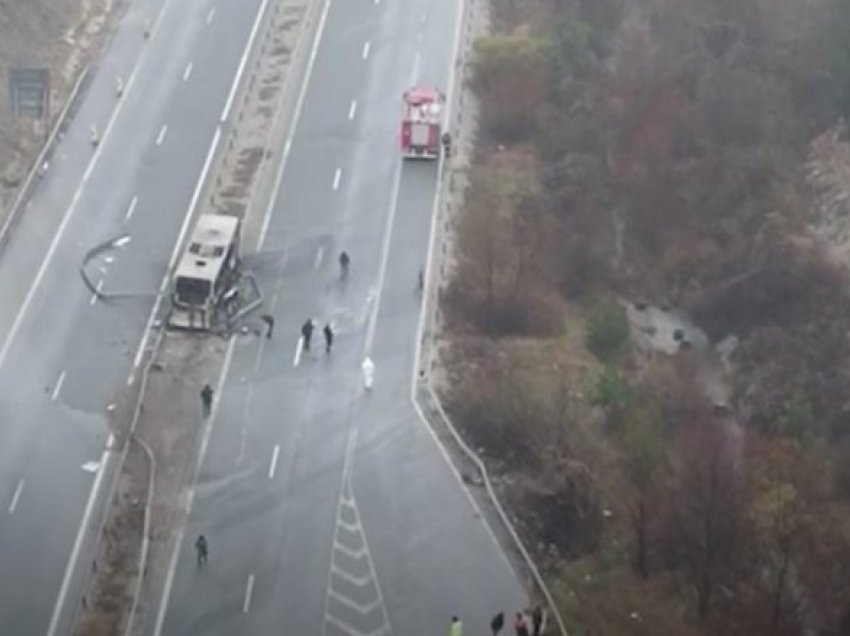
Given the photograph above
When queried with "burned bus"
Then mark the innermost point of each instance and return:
(206, 273)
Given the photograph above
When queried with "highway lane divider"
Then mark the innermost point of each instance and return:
(146, 533)
(151, 353)
(421, 383)
(123, 440)
(116, 465)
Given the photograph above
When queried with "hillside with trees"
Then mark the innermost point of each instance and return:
(684, 155)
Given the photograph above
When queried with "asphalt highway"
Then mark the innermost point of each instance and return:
(64, 355)
(330, 509)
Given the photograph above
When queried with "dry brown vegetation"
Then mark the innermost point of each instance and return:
(687, 152)
(59, 35)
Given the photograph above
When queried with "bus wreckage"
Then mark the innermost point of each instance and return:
(210, 291)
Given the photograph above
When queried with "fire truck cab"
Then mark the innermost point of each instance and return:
(421, 123)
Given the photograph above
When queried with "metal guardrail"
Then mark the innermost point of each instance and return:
(146, 531)
(24, 194)
(441, 207)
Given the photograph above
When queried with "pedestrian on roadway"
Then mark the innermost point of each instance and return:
(201, 547)
(307, 333)
(537, 621)
(269, 320)
(520, 625)
(344, 261)
(206, 399)
(329, 337)
(497, 623)
(455, 627)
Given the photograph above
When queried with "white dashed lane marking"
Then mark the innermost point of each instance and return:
(16, 497)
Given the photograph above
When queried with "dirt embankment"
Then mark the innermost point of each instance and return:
(58, 35)
(660, 153)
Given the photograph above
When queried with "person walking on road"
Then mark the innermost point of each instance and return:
(201, 547)
(269, 320)
(497, 623)
(344, 262)
(307, 333)
(520, 625)
(329, 337)
(455, 627)
(537, 621)
(206, 400)
(447, 144)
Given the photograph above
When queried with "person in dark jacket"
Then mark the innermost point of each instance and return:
(497, 623)
(269, 320)
(329, 337)
(201, 547)
(344, 261)
(206, 399)
(537, 621)
(307, 333)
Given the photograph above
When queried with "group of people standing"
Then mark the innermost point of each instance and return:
(525, 623)
(307, 335)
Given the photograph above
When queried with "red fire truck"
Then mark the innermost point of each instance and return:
(421, 123)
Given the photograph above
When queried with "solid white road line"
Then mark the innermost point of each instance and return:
(187, 72)
(243, 61)
(337, 177)
(161, 134)
(58, 387)
(197, 193)
(385, 255)
(130, 80)
(81, 533)
(131, 208)
(211, 15)
(205, 441)
(249, 590)
(186, 221)
(352, 109)
(16, 497)
(366, 48)
(320, 255)
(273, 465)
(299, 348)
(296, 116)
(16, 324)
(385, 248)
(155, 27)
(421, 329)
